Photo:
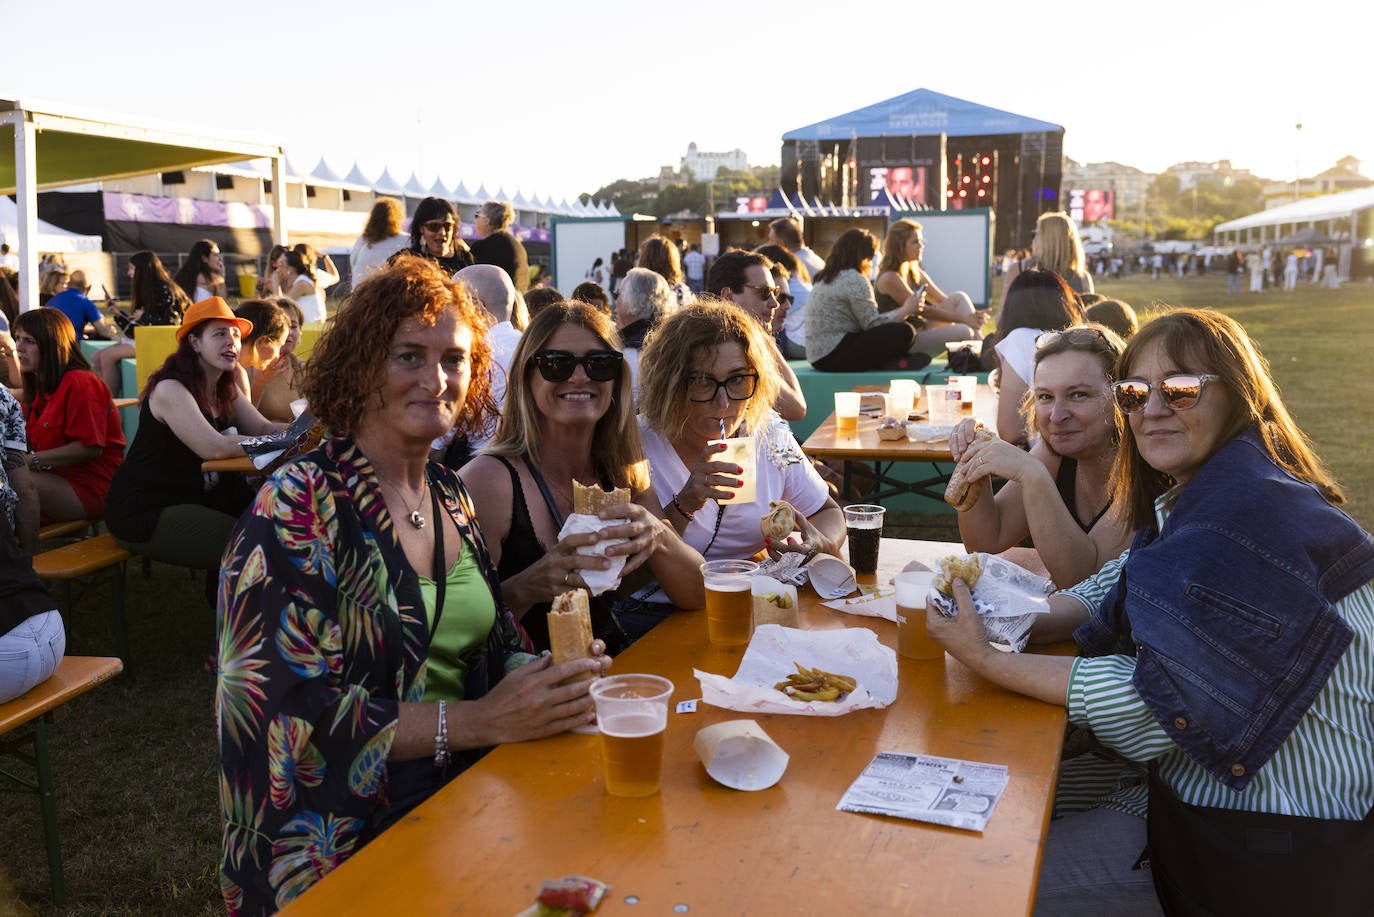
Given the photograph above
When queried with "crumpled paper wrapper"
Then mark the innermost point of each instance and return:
(598, 581)
(1007, 597)
(772, 656)
(879, 604)
(831, 577)
(740, 755)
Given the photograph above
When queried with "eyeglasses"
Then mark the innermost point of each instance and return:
(1179, 392)
(702, 388)
(558, 365)
(443, 226)
(1069, 335)
(763, 291)
(785, 299)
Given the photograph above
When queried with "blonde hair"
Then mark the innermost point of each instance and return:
(894, 250)
(685, 340)
(1061, 250)
(617, 451)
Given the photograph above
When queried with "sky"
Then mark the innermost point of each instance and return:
(560, 98)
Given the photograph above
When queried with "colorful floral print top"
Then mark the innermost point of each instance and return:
(321, 636)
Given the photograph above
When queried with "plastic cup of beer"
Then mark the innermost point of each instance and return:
(743, 452)
(846, 413)
(632, 713)
(968, 392)
(729, 601)
(913, 641)
(865, 524)
(901, 397)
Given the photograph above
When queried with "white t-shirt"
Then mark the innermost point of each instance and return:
(367, 256)
(694, 263)
(1017, 351)
(503, 337)
(813, 261)
(740, 535)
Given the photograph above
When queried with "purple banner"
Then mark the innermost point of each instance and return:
(142, 208)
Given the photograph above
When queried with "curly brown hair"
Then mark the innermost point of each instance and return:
(345, 369)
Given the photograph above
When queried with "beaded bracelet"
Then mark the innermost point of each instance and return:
(441, 754)
(685, 515)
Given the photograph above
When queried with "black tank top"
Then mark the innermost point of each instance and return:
(161, 471)
(520, 549)
(1066, 482)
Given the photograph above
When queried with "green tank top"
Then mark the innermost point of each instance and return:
(469, 615)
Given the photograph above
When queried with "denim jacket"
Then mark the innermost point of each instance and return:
(1230, 609)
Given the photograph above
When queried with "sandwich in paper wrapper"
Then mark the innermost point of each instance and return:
(1006, 597)
(774, 654)
(587, 502)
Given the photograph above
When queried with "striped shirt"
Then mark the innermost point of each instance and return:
(1324, 769)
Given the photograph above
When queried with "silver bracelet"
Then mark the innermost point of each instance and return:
(441, 754)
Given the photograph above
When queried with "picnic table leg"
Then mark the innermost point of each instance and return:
(120, 621)
(48, 804)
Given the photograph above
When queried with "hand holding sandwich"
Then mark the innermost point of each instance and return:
(536, 700)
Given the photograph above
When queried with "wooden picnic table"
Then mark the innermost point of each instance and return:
(537, 810)
(239, 464)
(865, 448)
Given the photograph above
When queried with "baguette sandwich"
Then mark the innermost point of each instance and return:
(570, 629)
(961, 493)
(592, 500)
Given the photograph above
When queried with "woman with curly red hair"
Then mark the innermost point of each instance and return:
(365, 653)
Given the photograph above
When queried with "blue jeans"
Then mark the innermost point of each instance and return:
(1089, 868)
(638, 617)
(29, 653)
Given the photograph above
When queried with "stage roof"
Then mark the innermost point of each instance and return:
(921, 112)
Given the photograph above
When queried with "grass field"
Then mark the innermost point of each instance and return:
(136, 760)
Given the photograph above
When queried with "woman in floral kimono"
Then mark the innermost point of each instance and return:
(364, 653)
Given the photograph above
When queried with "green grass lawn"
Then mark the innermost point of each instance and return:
(136, 760)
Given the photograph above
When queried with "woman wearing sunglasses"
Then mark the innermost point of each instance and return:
(436, 234)
(1060, 491)
(708, 373)
(569, 416)
(1231, 649)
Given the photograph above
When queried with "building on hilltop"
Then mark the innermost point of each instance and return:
(1192, 174)
(1343, 176)
(704, 165)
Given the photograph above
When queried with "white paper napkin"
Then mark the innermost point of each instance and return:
(772, 656)
(598, 581)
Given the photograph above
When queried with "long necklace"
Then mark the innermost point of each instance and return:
(416, 519)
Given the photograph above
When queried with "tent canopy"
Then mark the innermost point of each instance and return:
(74, 149)
(50, 238)
(921, 111)
(42, 148)
(1308, 210)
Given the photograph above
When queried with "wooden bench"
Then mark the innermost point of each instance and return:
(63, 529)
(83, 558)
(75, 675)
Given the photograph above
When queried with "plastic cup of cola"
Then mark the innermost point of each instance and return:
(864, 522)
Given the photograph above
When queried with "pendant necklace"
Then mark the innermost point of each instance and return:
(416, 519)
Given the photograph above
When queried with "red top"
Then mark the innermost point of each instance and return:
(81, 410)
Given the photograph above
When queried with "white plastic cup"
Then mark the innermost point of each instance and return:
(632, 711)
(968, 391)
(846, 413)
(743, 452)
(901, 396)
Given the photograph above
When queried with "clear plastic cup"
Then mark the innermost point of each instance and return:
(632, 713)
(901, 396)
(743, 452)
(846, 413)
(729, 601)
(864, 522)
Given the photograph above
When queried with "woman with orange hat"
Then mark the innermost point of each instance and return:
(161, 504)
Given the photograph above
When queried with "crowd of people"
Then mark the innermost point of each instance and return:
(381, 599)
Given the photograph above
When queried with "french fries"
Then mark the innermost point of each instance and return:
(778, 600)
(814, 684)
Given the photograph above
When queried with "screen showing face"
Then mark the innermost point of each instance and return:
(1092, 204)
(907, 182)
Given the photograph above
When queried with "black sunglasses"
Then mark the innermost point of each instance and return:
(558, 365)
(440, 225)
